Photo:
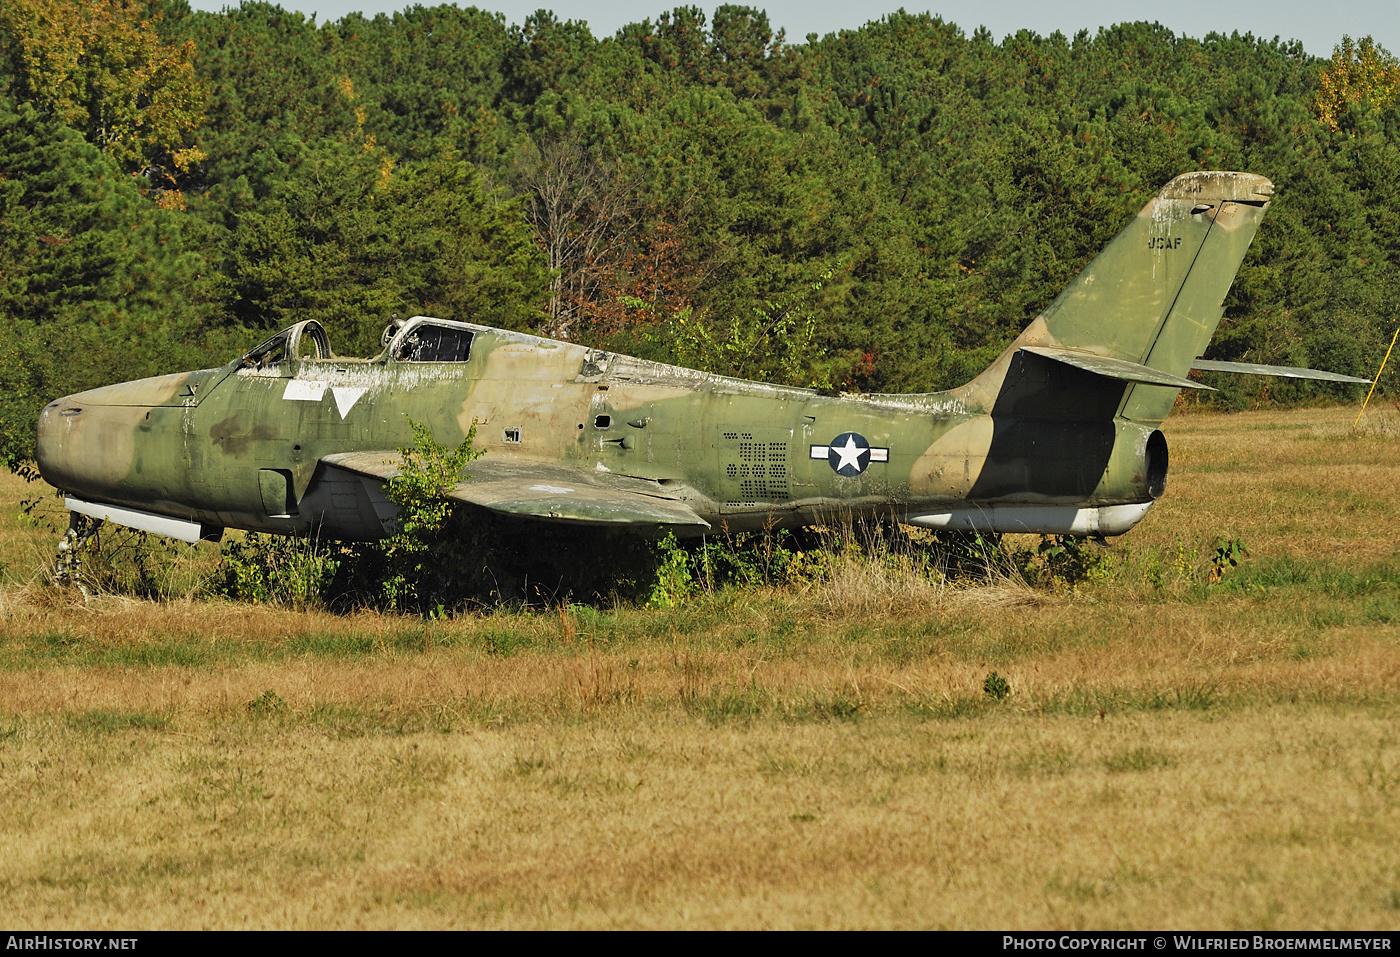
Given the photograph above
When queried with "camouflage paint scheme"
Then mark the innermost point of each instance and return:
(1059, 434)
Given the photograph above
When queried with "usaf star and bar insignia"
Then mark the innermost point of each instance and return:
(849, 454)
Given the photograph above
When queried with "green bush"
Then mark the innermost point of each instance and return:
(1067, 561)
(422, 550)
(996, 686)
(271, 569)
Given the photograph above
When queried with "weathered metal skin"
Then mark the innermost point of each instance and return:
(242, 446)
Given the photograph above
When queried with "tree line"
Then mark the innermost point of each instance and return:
(880, 209)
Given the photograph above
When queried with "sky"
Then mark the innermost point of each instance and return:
(1319, 26)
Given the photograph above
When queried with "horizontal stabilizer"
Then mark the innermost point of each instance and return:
(1287, 372)
(1115, 368)
(549, 492)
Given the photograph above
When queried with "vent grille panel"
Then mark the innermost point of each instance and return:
(755, 466)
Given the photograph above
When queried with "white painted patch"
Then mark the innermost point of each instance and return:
(304, 390)
(550, 488)
(142, 521)
(346, 396)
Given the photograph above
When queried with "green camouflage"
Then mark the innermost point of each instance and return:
(1060, 434)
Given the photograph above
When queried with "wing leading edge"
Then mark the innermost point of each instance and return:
(548, 492)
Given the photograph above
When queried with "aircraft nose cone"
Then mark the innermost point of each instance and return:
(87, 450)
(57, 425)
(88, 443)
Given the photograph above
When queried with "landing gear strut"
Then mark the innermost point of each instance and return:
(81, 529)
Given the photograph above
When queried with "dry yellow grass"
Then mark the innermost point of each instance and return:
(1274, 818)
(1172, 754)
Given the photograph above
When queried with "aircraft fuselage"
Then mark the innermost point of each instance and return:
(241, 446)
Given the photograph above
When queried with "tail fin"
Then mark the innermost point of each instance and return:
(1154, 296)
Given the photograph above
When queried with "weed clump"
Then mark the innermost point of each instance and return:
(1066, 561)
(1228, 554)
(267, 704)
(996, 686)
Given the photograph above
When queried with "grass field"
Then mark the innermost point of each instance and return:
(1173, 753)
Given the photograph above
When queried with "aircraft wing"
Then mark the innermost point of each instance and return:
(550, 492)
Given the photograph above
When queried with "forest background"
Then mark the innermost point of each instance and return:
(881, 209)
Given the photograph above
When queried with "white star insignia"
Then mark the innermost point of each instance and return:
(850, 454)
(846, 459)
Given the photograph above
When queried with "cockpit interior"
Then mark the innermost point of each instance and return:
(420, 339)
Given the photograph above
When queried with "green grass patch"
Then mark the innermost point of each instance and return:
(1136, 760)
(1046, 760)
(731, 705)
(1312, 576)
(103, 721)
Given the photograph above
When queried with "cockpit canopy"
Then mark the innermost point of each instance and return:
(433, 340)
(305, 340)
(420, 339)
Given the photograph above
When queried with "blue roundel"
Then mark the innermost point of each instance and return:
(849, 454)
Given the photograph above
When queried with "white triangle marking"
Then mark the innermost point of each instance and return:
(346, 396)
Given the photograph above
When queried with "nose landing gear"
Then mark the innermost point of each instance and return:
(81, 529)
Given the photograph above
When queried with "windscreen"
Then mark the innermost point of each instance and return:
(435, 344)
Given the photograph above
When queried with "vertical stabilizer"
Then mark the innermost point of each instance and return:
(1155, 295)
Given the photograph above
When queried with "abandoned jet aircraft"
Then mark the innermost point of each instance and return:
(1059, 435)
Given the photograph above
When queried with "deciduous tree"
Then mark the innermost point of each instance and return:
(1360, 71)
(103, 68)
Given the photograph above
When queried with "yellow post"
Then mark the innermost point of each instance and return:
(1376, 379)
